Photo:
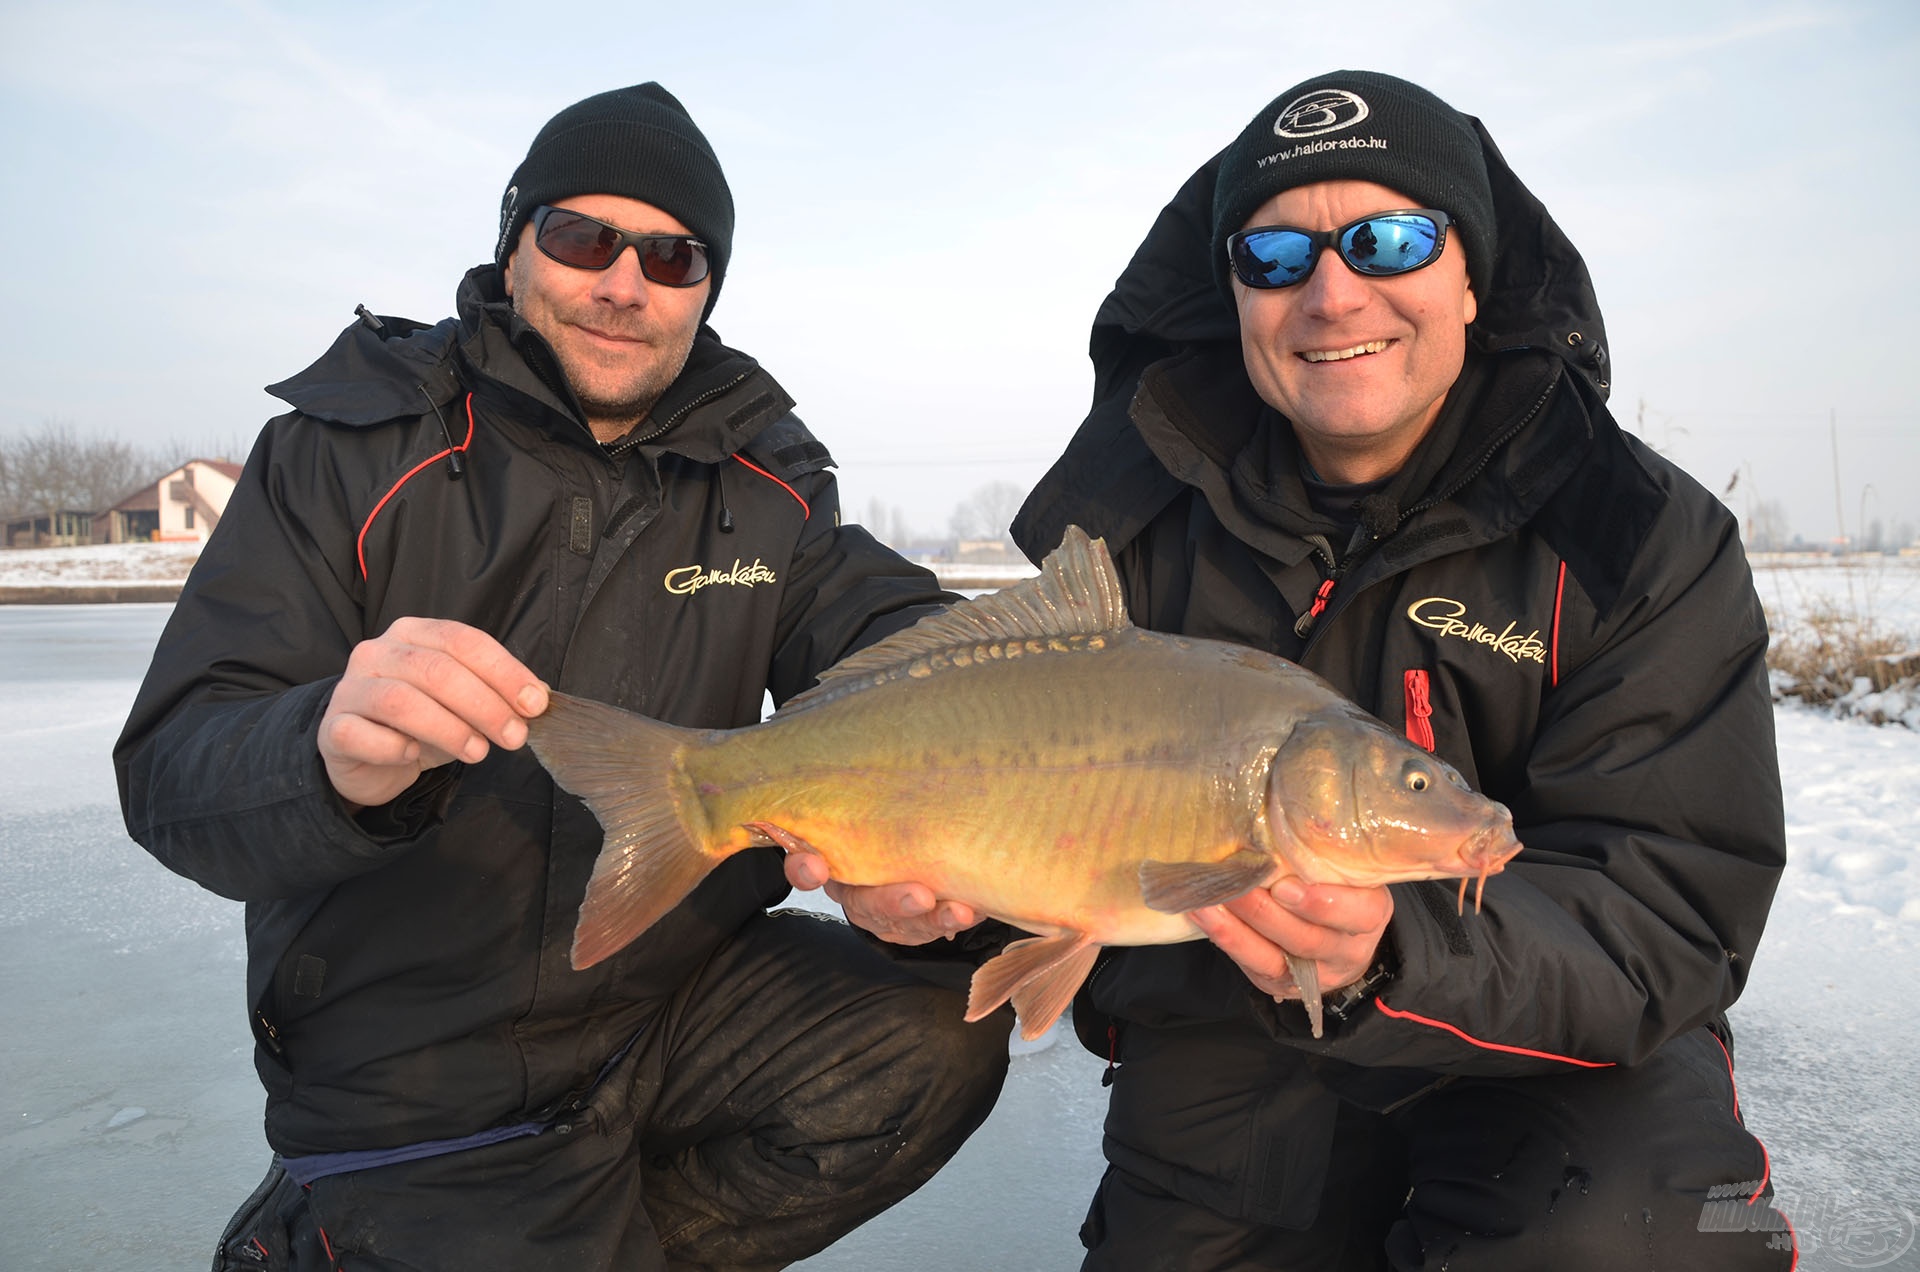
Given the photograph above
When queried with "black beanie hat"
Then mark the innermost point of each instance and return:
(1359, 126)
(638, 143)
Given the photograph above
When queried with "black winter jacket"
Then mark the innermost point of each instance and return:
(1565, 615)
(408, 968)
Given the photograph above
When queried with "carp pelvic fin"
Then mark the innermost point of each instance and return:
(1076, 593)
(1040, 974)
(626, 768)
(1175, 887)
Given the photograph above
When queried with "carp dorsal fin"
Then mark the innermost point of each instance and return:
(1076, 593)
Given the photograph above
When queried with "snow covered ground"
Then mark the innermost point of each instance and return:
(1883, 590)
(97, 564)
(130, 1127)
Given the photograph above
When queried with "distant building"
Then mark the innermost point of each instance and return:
(996, 550)
(61, 528)
(183, 506)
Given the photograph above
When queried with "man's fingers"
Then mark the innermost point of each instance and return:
(806, 870)
(1336, 928)
(1354, 911)
(1281, 926)
(904, 913)
(398, 706)
(1264, 962)
(352, 739)
(459, 668)
(482, 656)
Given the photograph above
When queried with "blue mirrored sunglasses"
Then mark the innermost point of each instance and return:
(1376, 246)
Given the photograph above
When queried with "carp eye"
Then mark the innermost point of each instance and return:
(1417, 780)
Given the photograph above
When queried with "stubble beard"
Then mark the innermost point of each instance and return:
(613, 417)
(619, 416)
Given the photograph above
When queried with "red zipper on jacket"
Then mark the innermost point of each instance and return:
(1419, 708)
(360, 543)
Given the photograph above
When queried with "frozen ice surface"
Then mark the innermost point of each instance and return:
(131, 1123)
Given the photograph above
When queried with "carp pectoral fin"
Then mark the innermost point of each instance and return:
(1175, 887)
(627, 769)
(1040, 971)
(1306, 974)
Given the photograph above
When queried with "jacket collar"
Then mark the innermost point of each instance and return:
(384, 368)
(720, 401)
(1493, 455)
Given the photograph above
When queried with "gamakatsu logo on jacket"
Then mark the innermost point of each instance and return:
(689, 579)
(1449, 618)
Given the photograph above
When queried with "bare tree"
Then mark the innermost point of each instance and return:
(56, 467)
(988, 511)
(1767, 526)
(887, 523)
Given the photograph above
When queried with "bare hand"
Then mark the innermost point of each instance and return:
(1338, 928)
(903, 913)
(425, 693)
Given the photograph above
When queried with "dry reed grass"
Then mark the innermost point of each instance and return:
(1838, 656)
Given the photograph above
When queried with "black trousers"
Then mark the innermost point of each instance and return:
(1602, 1169)
(797, 1086)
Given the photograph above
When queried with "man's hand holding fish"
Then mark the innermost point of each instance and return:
(1337, 928)
(903, 913)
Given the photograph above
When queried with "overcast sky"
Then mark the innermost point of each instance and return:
(196, 196)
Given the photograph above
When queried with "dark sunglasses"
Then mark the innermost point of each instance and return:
(1377, 246)
(672, 260)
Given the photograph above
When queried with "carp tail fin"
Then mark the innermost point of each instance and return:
(627, 769)
(1040, 975)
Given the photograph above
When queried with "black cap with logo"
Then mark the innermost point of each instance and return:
(638, 143)
(1359, 126)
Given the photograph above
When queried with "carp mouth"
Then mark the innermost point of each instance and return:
(1487, 853)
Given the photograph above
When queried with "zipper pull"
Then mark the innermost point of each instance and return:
(1320, 598)
(1419, 708)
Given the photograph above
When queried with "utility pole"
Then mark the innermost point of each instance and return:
(1839, 509)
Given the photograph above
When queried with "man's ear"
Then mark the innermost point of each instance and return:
(1470, 307)
(506, 272)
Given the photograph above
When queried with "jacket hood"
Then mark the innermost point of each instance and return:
(1166, 302)
(1541, 296)
(383, 368)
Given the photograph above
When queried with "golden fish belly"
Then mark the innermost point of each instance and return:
(1027, 787)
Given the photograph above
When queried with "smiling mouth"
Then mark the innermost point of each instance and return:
(1341, 355)
(614, 336)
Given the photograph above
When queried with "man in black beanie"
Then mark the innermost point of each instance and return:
(1350, 408)
(575, 484)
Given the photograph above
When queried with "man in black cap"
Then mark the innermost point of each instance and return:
(1350, 408)
(573, 483)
